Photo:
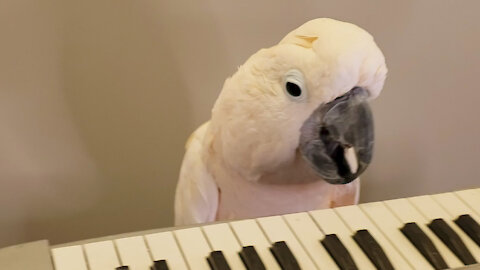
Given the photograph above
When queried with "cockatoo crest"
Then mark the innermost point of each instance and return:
(305, 41)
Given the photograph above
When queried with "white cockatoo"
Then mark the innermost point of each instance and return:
(291, 130)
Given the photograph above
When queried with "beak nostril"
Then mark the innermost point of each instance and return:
(324, 132)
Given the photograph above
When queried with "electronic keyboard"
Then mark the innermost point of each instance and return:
(438, 231)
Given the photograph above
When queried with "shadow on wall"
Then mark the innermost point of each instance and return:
(45, 171)
(114, 83)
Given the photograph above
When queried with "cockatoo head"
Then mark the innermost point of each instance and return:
(304, 97)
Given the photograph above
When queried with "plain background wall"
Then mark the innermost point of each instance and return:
(98, 97)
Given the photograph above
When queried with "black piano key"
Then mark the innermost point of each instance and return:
(451, 240)
(338, 252)
(373, 250)
(424, 245)
(251, 259)
(159, 265)
(124, 267)
(217, 261)
(470, 227)
(284, 256)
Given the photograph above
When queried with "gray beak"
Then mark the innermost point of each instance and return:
(335, 128)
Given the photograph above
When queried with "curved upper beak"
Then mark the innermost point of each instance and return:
(336, 129)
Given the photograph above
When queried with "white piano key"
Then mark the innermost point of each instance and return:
(194, 247)
(470, 197)
(309, 236)
(163, 246)
(69, 258)
(249, 234)
(429, 207)
(330, 223)
(357, 220)
(101, 255)
(455, 206)
(277, 230)
(406, 212)
(221, 237)
(133, 253)
(390, 226)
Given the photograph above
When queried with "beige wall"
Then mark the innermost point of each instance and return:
(98, 97)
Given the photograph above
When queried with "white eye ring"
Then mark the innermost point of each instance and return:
(294, 85)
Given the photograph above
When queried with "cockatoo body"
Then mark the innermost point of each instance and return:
(291, 130)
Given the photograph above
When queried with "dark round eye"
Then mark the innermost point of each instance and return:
(293, 89)
(294, 86)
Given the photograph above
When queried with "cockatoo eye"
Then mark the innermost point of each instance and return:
(293, 89)
(294, 85)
